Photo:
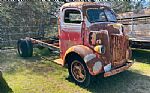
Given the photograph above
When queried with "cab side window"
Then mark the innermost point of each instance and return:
(72, 16)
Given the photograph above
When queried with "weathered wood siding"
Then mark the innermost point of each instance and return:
(137, 25)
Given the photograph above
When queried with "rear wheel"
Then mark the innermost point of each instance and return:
(78, 72)
(25, 48)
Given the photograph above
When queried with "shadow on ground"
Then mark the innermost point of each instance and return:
(4, 88)
(141, 55)
(125, 82)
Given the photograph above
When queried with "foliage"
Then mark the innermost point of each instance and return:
(31, 18)
(19, 19)
(35, 13)
(27, 12)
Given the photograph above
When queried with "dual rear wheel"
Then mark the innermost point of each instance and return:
(25, 48)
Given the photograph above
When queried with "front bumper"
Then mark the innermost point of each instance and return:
(118, 70)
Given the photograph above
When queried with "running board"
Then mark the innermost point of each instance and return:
(59, 61)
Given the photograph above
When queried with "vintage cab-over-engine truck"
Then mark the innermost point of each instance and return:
(91, 42)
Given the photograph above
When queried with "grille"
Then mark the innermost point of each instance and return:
(118, 49)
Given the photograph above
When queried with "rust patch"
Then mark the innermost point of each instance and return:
(101, 38)
(112, 29)
(79, 49)
(83, 51)
(90, 65)
(118, 50)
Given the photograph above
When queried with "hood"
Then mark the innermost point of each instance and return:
(103, 34)
(112, 28)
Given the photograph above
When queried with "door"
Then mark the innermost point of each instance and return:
(70, 28)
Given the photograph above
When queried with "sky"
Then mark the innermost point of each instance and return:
(145, 3)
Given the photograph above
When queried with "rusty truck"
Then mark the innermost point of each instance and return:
(91, 42)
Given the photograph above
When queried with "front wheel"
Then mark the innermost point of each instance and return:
(78, 72)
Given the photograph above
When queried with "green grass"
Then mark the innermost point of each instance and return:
(40, 75)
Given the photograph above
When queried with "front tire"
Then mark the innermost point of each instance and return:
(78, 71)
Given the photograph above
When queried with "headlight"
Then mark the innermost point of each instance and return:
(100, 49)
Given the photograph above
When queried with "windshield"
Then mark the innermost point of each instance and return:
(100, 15)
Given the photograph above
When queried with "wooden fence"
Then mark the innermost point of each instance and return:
(137, 27)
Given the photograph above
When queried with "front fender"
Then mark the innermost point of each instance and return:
(79, 49)
(92, 61)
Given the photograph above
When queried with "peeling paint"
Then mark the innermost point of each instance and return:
(89, 57)
(97, 67)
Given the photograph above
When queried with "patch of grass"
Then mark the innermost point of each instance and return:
(141, 68)
(41, 75)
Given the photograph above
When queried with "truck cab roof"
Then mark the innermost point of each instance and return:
(81, 4)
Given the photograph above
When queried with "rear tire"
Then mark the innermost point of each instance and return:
(25, 48)
(78, 71)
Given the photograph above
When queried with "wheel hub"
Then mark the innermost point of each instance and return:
(78, 71)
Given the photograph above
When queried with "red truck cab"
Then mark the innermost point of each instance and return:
(92, 40)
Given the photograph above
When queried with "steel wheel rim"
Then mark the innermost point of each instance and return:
(78, 71)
